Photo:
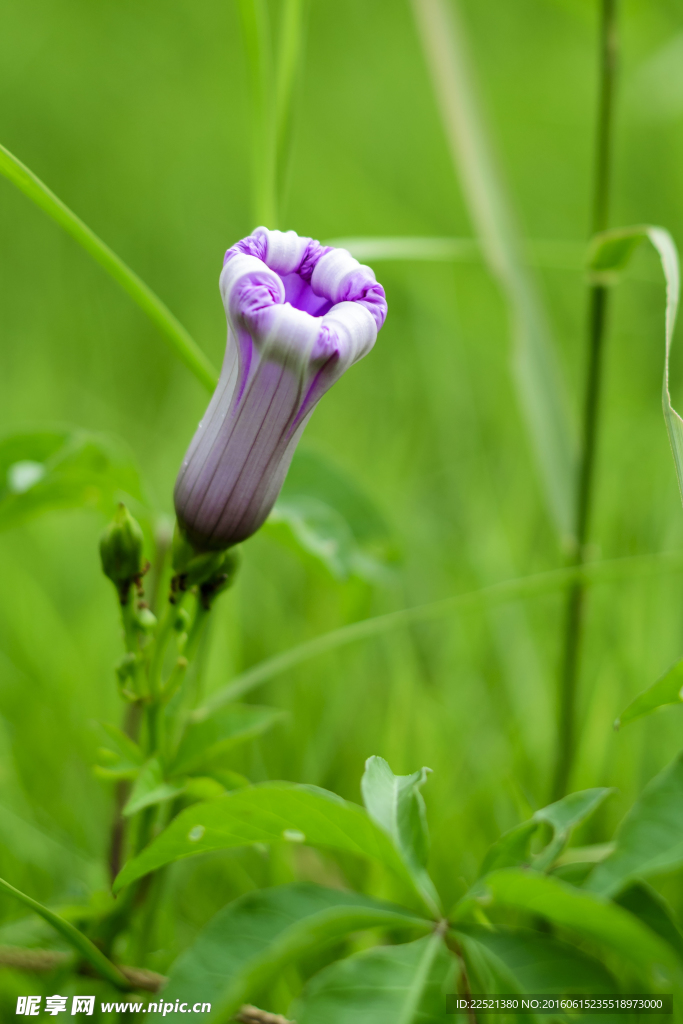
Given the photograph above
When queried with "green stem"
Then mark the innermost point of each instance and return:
(256, 30)
(597, 317)
(179, 339)
(73, 936)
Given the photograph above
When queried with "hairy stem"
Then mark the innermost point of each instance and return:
(597, 317)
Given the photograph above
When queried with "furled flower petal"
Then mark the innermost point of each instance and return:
(299, 314)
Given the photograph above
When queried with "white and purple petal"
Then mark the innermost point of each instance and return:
(299, 315)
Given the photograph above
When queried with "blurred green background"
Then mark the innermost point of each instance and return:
(137, 115)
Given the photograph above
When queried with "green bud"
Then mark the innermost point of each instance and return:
(121, 551)
(182, 621)
(146, 620)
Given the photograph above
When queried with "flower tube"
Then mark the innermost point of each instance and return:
(299, 315)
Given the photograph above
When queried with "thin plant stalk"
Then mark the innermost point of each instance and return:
(176, 335)
(597, 319)
(257, 40)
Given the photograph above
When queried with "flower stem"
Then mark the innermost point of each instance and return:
(597, 317)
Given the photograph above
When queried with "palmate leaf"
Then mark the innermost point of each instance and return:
(395, 803)
(245, 946)
(585, 913)
(42, 470)
(649, 840)
(404, 984)
(514, 847)
(272, 812)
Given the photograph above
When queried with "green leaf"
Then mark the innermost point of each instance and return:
(150, 788)
(77, 940)
(124, 745)
(667, 690)
(325, 513)
(396, 804)
(514, 847)
(642, 901)
(42, 470)
(174, 332)
(608, 255)
(649, 840)
(587, 913)
(541, 963)
(403, 984)
(245, 946)
(272, 812)
(210, 735)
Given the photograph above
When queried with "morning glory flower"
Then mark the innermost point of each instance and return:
(299, 315)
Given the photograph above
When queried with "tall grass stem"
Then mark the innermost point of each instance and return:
(596, 330)
(536, 372)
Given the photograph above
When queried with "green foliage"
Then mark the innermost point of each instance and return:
(246, 945)
(650, 838)
(327, 515)
(395, 803)
(585, 913)
(388, 985)
(526, 961)
(666, 690)
(43, 470)
(514, 848)
(273, 812)
(429, 425)
(208, 737)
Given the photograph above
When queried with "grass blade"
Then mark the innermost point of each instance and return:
(175, 334)
(609, 570)
(536, 372)
(72, 935)
(257, 41)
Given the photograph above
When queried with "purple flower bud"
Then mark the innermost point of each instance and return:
(299, 314)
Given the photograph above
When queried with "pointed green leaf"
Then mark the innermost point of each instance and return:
(272, 812)
(649, 840)
(76, 939)
(210, 735)
(43, 470)
(124, 745)
(667, 690)
(150, 788)
(652, 909)
(586, 913)
(245, 946)
(396, 804)
(541, 963)
(403, 984)
(514, 847)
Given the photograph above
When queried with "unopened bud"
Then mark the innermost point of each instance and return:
(121, 551)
